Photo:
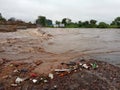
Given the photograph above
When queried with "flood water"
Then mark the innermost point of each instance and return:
(101, 44)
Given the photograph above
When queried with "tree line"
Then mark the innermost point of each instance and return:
(68, 23)
(80, 24)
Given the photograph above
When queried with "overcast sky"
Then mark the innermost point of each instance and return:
(29, 10)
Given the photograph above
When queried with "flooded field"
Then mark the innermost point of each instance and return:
(100, 44)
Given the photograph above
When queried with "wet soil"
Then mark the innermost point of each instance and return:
(104, 77)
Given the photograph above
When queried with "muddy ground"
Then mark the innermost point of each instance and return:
(34, 53)
(103, 76)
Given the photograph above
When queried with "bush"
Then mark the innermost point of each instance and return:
(103, 25)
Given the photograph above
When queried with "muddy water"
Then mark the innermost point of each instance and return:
(21, 45)
(101, 44)
(66, 44)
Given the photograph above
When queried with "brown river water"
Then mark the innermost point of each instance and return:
(100, 44)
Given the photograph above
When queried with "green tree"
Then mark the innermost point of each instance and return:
(2, 18)
(93, 23)
(57, 22)
(86, 24)
(12, 19)
(116, 22)
(103, 25)
(66, 21)
(72, 25)
(0, 15)
(41, 21)
(80, 24)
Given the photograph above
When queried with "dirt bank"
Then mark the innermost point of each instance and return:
(8, 28)
(79, 74)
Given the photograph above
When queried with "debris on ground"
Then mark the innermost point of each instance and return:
(62, 70)
(34, 80)
(14, 85)
(33, 75)
(79, 74)
(51, 76)
(19, 80)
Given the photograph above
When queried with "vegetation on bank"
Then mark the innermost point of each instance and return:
(80, 24)
(18, 23)
(65, 22)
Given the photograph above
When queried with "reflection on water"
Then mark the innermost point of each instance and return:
(103, 44)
